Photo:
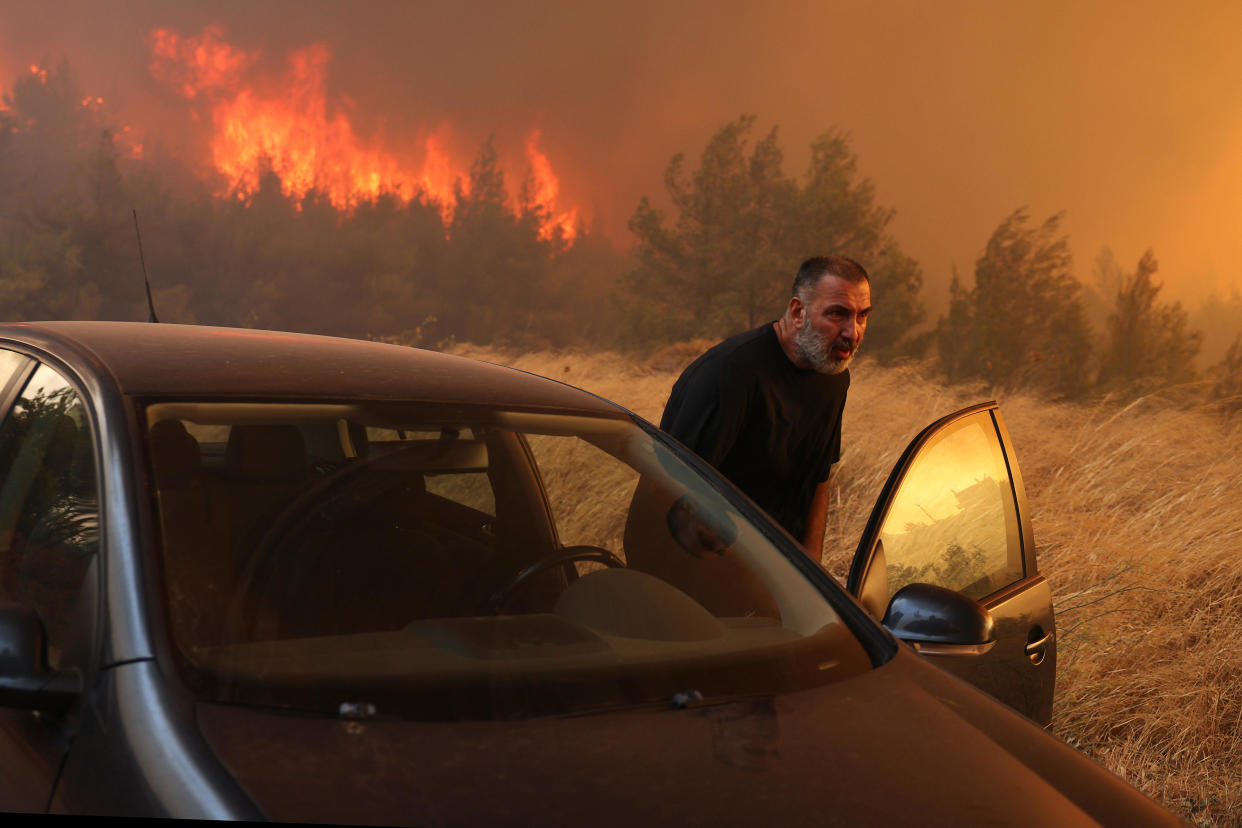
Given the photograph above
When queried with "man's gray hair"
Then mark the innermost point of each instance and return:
(817, 267)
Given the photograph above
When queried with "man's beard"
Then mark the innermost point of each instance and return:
(816, 350)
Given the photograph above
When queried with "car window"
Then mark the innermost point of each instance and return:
(589, 491)
(49, 521)
(466, 485)
(424, 571)
(10, 373)
(953, 520)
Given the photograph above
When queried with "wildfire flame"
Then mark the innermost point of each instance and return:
(547, 190)
(126, 137)
(439, 177)
(287, 125)
(196, 64)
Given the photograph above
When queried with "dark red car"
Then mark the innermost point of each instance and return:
(262, 575)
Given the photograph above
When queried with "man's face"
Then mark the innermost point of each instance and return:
(831, 323)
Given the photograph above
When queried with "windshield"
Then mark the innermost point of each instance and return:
(438, 563)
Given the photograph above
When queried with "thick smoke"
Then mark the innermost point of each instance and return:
(1116, 114)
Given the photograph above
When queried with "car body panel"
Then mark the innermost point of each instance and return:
(1019, 668)
(1008, 672)
(137, 753)
(877, 746)
(30, 755)
(240, 362)
(800, 758)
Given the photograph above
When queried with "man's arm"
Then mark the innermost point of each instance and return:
(816, 520)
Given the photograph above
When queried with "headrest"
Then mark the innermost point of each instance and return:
(175, 454)
(266, 453)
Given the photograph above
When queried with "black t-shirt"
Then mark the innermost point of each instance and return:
(770, 427)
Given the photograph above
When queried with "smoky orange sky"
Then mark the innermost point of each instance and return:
(1125, 115)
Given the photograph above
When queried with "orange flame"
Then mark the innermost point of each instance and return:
(197, 64)
(439, 178)
(306, 148)
(127, 138)
(547, 191)
(287, 125)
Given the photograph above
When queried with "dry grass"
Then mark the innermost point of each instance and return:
(1138, 523)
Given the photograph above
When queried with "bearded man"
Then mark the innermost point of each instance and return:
(764, 407)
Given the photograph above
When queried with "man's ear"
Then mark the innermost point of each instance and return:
(796, 312)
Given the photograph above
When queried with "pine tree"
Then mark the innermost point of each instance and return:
(725, 260)
(1023, 322)
(1149, 343)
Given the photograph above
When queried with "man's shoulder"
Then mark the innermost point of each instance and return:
(738, 351)
(722, 378)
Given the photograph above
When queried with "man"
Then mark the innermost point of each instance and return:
(764, 407)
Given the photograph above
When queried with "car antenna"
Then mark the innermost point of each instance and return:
(145, 281)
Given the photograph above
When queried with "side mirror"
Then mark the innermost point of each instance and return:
(939, 621)
(25, 679)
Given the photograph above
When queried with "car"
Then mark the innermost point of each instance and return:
(261, 575)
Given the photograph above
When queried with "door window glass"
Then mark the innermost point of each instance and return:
(49, 519)
(953, 522)
(10, 364)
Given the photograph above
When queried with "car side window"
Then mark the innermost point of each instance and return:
(10, 367)
(49, 517)
(953, 521)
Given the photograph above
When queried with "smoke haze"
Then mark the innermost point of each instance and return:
(1122, 114)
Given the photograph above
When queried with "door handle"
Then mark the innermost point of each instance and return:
(1037, 650)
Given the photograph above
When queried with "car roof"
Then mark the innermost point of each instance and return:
(165, 360)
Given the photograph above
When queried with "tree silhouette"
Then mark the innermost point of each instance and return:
(1023, 322)
(725, 261)
(1149, 343)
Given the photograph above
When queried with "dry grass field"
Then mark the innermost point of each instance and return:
(1137, 512)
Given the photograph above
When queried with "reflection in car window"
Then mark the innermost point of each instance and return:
(406, 557)
(953, 522)
(49, 518)
(10, 365)
(588, 490)
(464, 482)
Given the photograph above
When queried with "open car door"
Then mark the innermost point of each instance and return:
(954, 515)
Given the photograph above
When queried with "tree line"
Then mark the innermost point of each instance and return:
(481, 269)
(1023, 321)
(712, 257)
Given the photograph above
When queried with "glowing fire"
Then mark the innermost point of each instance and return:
(286, 124)
(126, 138)
(547, 190)
(439, 177)
(195, 64)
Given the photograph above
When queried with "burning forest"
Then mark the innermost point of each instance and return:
(286, 125)
(359, 234)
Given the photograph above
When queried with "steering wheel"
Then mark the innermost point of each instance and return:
(567, 554)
